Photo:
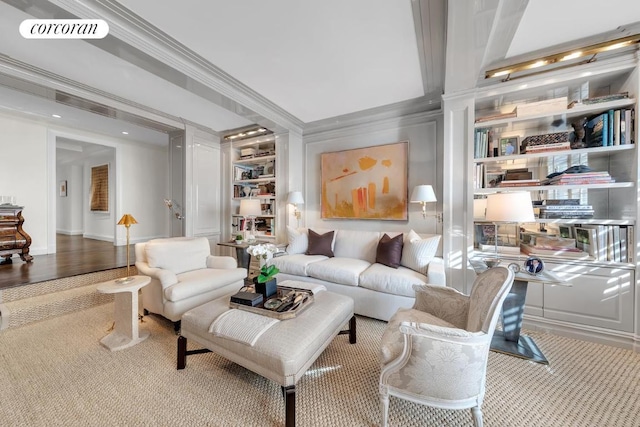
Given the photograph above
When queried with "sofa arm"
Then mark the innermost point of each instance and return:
(166, 277)
(221, 262)
(435, 272)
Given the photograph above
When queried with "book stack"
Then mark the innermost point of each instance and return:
(565, 209)
(537, 245)
(557, 141)
(581, 178)
(520, 177)
(613, 127)
(600, 99)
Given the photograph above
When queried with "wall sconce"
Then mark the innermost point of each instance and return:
(295, 198)
(127, 220)
(175, 208)
(249, 210)
(558, 58)
(424, 194)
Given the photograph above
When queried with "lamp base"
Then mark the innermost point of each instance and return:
(125, 280)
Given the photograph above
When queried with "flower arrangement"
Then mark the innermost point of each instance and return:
(264, 252)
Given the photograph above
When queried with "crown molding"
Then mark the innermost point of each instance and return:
(131, 29)
(424, 104)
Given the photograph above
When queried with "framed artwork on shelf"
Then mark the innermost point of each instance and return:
(365, 183)
(586, 240)
(566, 231)
(509, 146)
(63, 188)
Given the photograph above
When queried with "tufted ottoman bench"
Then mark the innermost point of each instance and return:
(284, 351)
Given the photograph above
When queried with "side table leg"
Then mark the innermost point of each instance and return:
(352, 330)
(182, 352)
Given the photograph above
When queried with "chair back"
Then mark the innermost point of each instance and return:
(489, 291)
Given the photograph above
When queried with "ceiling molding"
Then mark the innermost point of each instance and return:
(138, 33)
(429, 103)
(430, 18)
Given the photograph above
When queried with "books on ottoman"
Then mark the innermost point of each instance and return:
(251, 299)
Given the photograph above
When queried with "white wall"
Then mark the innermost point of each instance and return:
(422, 135)
(69, 210)
(26, 172)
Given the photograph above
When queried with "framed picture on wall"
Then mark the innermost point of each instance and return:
(365, 183)
(63, 188)
(99, 194)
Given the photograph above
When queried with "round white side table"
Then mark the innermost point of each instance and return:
(126, 332)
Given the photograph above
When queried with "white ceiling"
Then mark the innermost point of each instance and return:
(314, 60)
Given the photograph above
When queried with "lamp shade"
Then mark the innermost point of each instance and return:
(295, 198)
(250, 207)
(510, 207)
(127, 220)
(423, 193)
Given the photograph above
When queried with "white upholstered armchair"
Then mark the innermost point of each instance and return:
(436, 352)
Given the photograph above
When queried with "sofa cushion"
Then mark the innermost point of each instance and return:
(418, 252)
(356, 244)
(201, 281)
(389, 280)
(344, 271)
(295, 264)
(298, 240)
(178, 255)
(320, 244)
(389, 250)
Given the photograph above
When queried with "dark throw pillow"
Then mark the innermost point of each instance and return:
(320, 244)
(389, 251)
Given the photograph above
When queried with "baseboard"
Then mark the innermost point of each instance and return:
(70, 232)
(626, 340)
(96, 237)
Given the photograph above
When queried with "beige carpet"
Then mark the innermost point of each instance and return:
(55, 373)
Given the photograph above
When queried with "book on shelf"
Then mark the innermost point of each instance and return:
(596, 130)
(600, 99)
(501, 249)
(557, 146)
(565, 207)
(561, 202)
(519, 183)
(567, 253)
(497, 116)
(540, 107)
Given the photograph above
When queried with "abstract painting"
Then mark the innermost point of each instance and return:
(365, 183)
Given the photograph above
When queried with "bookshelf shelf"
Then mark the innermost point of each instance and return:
(592, 152)
(556, 187)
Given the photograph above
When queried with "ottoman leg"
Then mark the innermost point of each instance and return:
(182, 352)
(352, 330)
(289, 405)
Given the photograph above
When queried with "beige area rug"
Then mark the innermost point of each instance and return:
(55, 373)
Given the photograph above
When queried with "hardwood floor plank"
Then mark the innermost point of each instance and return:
(75, 255)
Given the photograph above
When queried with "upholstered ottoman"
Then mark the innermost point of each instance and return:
(284, 350)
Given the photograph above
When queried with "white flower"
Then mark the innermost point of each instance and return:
(265, 250)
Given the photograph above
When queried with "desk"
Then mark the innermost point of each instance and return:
(125, 333)
(509, 340)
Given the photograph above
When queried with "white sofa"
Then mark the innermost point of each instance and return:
(184, 275)
(377, 290)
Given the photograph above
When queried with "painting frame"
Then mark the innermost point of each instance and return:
(510, 141)
(365, 183)
(62, 186)
(99, 188)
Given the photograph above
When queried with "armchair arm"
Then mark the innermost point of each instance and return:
(442, 333)
(166, 277)
(445, 303)
(221, 262)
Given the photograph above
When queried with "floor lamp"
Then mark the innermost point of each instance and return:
(127, 220)
(250, 209)
(508, 207)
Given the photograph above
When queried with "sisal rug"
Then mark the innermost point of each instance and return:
(55, 373)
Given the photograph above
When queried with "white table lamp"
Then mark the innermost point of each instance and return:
(250, 208)
(511, 207)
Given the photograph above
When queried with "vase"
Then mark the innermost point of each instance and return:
(267, 289)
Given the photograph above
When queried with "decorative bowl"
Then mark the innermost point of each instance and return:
(491, 262)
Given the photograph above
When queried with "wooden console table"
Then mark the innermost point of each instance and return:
(13, 239)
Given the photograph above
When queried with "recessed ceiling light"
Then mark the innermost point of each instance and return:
(57, 116)
(125, 133)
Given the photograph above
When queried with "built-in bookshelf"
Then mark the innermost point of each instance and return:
(253, 172)
(585, 226)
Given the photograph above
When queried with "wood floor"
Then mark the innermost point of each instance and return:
(75, 255)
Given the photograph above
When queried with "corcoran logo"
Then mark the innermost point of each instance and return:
(64, 29)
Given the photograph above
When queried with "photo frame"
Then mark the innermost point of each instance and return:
(365, 183)
(99, 189)
(566, 231)
(63, 188)
(509, 146)
(586, 240)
